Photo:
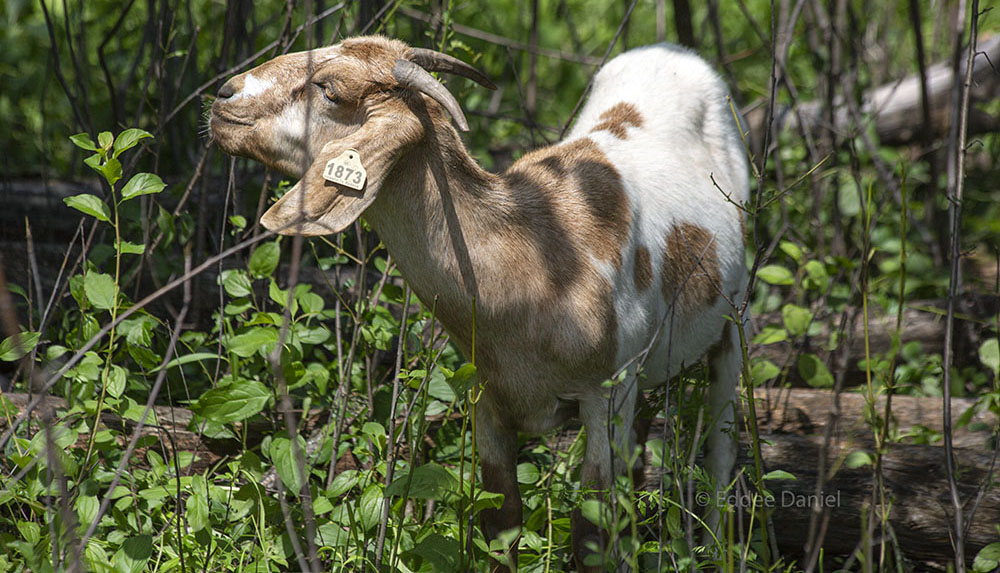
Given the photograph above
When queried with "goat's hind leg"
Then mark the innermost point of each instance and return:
(609, 453)
(725, 366)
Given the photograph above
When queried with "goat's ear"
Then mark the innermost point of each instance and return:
(316, 206)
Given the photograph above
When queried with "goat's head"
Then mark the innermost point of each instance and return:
(297, 112)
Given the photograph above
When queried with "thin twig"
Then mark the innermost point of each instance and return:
(956, 183)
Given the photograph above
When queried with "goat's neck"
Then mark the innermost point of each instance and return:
(435, 213)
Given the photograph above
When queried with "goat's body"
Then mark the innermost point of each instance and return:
(584, 255)
(566, 268)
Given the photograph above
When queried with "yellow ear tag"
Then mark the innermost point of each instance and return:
(346, 169)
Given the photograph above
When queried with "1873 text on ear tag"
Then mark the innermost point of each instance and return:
(346, 169)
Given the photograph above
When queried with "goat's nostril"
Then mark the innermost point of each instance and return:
(226, 91)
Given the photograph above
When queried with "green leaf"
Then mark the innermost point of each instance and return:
(142, 184)
(796, 319)
(332, 535)
(857, 459)
(779, 475)
(814, 372)
(439, 551)
(83, 141)
(14, 347)
(817, 275)
(279, 296)
(236, 283)
(127, 248)
(128, 139)
(771, 334)
(197, 504)
(104, 139)
(86, 508)
(989, 355)
(487, 500)
(370, 507)
(428, 481)
(463, 379)
(111, 170)
(776, 275)
(89, 205)
(527, 473)
(250, 342)
(188, 358)
(239, 222)
(115, 380)
(101, 290)
(233, 402)
(134, 553)
(763, 370)
(792, 250)
(264, 260)
(285, 463)
(987, 559)
(310, 302)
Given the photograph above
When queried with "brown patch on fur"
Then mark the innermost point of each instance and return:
(617, 117)
(643, 272)
(691, 277)
(581, 199)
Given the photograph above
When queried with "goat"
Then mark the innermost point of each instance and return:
(624, 239)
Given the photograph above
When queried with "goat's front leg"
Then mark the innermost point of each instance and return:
(610, 445)
(497, 447)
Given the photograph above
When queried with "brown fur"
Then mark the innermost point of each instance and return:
(643, 273)
(593, 206)
(690, 268)
(617, 117)
(522, 245)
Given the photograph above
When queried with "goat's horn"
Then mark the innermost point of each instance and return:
(433, 61)
(411, 75)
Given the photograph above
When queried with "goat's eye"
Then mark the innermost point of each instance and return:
(330, 94)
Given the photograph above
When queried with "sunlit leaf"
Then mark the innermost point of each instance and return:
(128, 139)
(100, 289)
(89, 205)
(14, 347)
(142, 184)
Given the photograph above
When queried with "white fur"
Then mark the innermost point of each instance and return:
(293, 124)
(253, 86)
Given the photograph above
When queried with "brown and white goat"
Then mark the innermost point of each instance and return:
(612, 248)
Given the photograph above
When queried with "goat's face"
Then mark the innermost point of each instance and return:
(297, 112)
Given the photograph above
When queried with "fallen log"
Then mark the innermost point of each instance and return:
(917, 496)
(895, 109)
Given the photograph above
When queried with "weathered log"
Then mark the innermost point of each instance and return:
(917, 496)
(895, 109)
(913, 420)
